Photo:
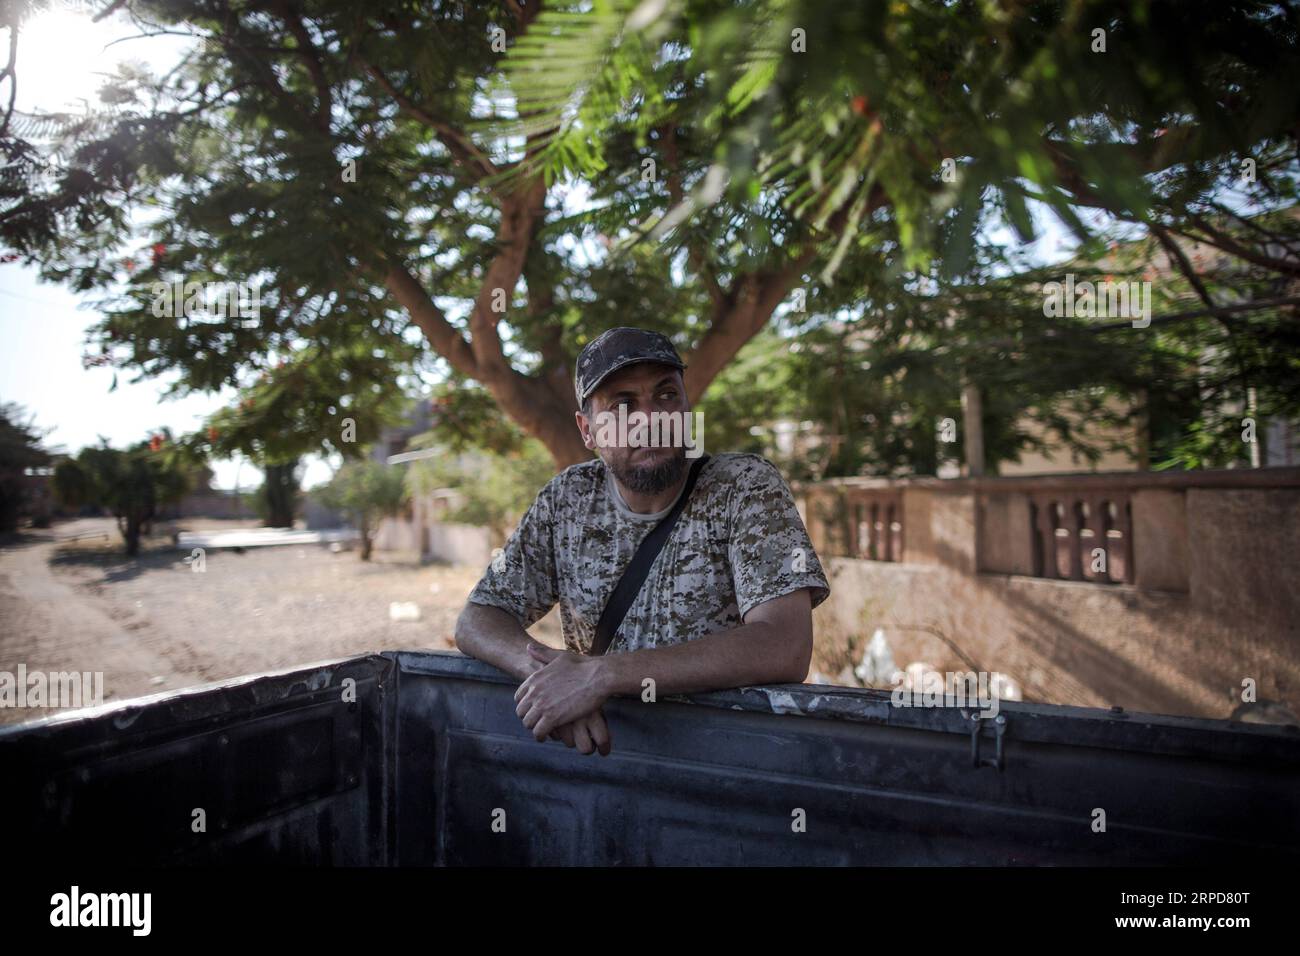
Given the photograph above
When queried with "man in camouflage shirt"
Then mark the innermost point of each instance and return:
(727, 603)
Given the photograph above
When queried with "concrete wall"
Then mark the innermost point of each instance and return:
(420, 531)
(399, 534)
(1216, 598)
(437, 541)
(212, 504)
(1056, 459)
(459, 544)
(423, 531)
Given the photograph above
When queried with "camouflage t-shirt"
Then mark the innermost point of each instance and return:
(739, 542)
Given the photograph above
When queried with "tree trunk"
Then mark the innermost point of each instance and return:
(1142, 419)
(132, 534)
(367, 544)
(543, 405)
(279, 494)
(972, 411)
(562, 439)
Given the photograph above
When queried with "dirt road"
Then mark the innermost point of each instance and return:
(151, 624)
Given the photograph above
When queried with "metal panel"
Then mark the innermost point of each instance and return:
(718, 778)
(284, 769)
(417, 769)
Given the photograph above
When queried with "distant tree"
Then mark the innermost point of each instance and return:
(330, 399)
(132, 484)
(874, 377)
(278, 497)
(20, 449)
(495, 487)
(367, 492)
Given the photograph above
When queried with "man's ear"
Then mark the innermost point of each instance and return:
(584, 429)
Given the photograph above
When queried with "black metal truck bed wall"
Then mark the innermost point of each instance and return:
(280, 765)
(430, 765)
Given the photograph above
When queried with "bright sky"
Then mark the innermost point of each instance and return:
(62, 58)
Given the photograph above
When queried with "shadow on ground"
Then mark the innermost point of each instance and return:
(116, 565)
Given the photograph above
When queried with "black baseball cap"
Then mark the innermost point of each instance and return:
(616, 349)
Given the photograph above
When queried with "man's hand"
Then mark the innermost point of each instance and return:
(590, 732)
(565, 688)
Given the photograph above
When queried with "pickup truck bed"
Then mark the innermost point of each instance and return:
(430, 765)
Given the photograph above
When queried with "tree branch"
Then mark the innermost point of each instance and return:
(307, 50)
(12, 75)
(694, 252)
(458, 143)
(1179, 258)
(442, 335)
(1221, 240)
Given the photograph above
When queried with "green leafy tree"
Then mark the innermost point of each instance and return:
(491, 184)
(43, 190)
(495, 488)
(920, 128)
(340, 156)
(367, 492)
(132, 484)
(334, 398)
(20, 450)
(876, 377)
(914, 119)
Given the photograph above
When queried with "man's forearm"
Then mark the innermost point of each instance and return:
(491, 635)
(754, 653)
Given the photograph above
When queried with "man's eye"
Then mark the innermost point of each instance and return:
(669, 394)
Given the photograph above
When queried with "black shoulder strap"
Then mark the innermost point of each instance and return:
(629, 585)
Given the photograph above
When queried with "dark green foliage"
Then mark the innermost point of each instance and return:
(131, 484)
(20, 450)
(821, 170)
(366, 491)
(495, 487)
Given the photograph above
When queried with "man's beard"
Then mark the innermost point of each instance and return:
(650, 479)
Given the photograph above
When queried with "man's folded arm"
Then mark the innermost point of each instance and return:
(492, 635)
(772, 646)
(516, 591)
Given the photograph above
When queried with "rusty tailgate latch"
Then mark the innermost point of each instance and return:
(999, 730)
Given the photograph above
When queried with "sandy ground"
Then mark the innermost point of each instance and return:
(150, 624)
